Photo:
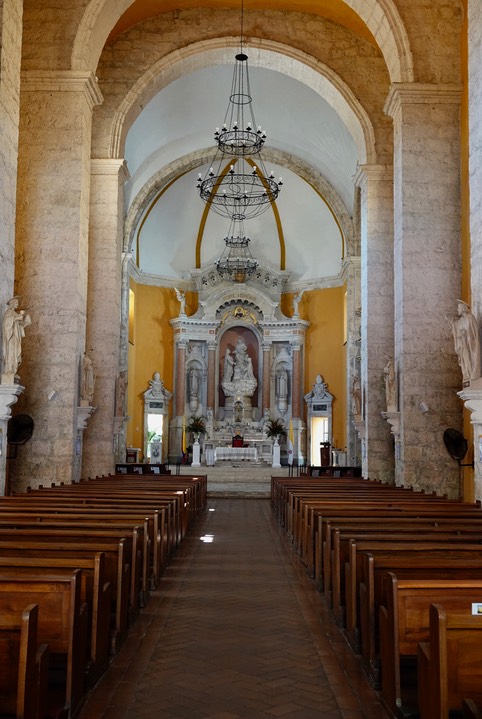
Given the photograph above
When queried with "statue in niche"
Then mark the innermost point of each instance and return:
(87, 383)
(14, 324)
(282, 383)
(390, 386)
(193, 382)
(356, 396)
(465, 331)
(181, 296)
(228, 366)
(243, 366)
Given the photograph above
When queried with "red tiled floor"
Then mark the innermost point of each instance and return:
(235, 630)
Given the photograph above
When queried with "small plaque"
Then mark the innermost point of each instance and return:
(477, 608)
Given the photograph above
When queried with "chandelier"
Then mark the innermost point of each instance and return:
(237, 183)
(236, 263)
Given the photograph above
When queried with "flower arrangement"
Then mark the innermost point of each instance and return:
(197, 425)
(275, 427)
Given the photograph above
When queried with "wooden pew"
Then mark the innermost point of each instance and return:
(24, 666)
(470, 710)
(450, 663)
(62, 624)
(96, 593)
(369, 569)
(117, 549)
(404, 622)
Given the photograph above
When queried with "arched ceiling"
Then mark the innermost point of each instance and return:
(336, 10)
(181, 119)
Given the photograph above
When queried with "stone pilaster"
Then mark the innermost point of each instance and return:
(472, 396)
(376, 221)
(11, 53)
(352, 278)
(180, 377)
(211, 388)
(104, 309)
(296, 381)
(475, 154)
(9, 394)
(266, 399)
(52, 263)
(427, 260)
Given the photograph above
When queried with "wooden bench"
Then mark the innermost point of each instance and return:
(24, 666)
(96, 593)
(365, 593)
(404, 622)
(450, 663)
(62, 624)
(470, 710)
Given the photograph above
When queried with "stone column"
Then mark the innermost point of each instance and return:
(296, 381)
(11, 55)
(52, 264)
(376, 221)
(104, 308)
(351, 276)
(9, 394)
(472, 397)
(266, 394)
(211, 389)
(180, 377)
(427, 262)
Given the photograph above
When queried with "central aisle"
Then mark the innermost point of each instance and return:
(235, 630)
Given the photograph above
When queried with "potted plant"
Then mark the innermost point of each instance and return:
(197, 425)
(275, 428)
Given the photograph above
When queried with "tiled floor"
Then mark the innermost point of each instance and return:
(235, 630)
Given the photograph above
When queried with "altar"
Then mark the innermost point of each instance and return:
(237, 454)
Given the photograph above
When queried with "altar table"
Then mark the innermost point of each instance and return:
(249, 454)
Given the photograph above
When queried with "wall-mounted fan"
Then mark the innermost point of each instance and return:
(19, 430)
(456, 445)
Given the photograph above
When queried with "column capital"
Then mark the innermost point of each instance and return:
(9, 394)
(374, 173)
(420, 93)
(212, 346)
(107, 166)
(63, 81)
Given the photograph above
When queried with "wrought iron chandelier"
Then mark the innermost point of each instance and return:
(236, 264)
(237, 183)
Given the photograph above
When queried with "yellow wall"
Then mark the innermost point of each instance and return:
(325, 352)
(151, 350)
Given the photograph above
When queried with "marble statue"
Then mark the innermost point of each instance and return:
(14, 324)
(193, 382)
(156, 385)
(465, 331)
(120, 394)
(390, 386)
(87, 381)
(282, 383)
(296, 301)
(356, 396)
(228, 366)
(181, 296)
(243, 366)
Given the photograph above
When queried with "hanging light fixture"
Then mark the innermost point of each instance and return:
(236, 263)
(237, 183)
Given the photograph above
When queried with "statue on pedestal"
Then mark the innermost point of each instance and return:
(390, 386)
(465, 331)
(239, 382)
(14, 324)
(87, 381)
(356, 396)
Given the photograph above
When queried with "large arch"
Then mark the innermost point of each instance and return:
(189, 162)
(299, 65)
(380, 16)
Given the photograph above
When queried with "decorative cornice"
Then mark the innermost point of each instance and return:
(63, 81)
(375, 173)
(107, 166)
(411, 93)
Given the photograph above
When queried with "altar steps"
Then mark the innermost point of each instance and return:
(238, 479)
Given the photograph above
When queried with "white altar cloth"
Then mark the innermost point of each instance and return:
(249, 454)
